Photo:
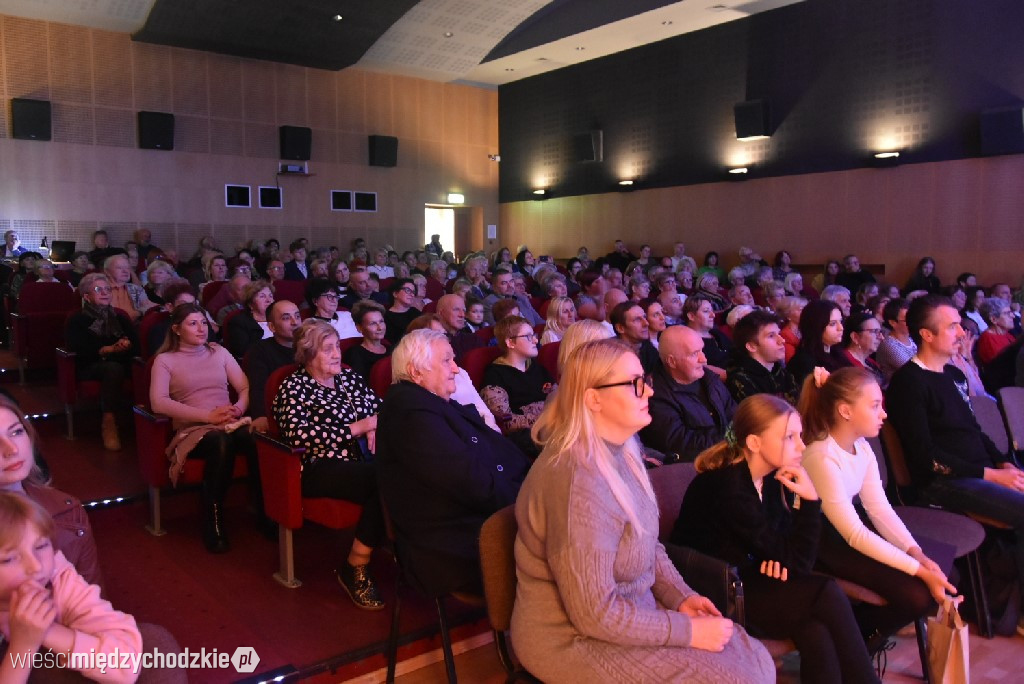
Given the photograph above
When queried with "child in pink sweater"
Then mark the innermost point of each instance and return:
(45, 603)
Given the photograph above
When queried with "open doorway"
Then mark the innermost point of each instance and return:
(439, 221)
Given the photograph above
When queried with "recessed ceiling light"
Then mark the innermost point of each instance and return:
(337, 17)
(508, 69)
(539, 191)
(886, 155)
(625, 182)
(666, 23)
(580, 48)
(448, 34)
(741, 169)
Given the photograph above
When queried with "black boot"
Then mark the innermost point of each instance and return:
(214, 538)
(359, 586)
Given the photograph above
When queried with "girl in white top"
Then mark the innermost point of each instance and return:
(840, 411)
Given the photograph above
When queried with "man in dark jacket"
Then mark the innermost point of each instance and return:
(759, 364)
(440, 469)
(690, 409)
(266, 356)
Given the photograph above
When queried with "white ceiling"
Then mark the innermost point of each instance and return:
(417, 44)
(124, 16)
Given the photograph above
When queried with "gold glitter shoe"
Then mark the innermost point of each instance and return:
(359, 586)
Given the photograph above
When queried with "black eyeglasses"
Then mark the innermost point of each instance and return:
(532, 336)
(407, 291)
(637, 383)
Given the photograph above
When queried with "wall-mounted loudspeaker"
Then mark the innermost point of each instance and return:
(296, 142)
(753, 120)
(156, 131)
(1002, 130)
(383, 150)
(30, 119)
(588, 147)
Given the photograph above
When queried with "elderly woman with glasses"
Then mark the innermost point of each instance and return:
(515, 386)
(330, 412)
(104, 342)
(323, 297)
(862, 335)
(403, 309)
(996, 312)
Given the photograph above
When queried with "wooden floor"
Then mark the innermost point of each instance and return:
(996, 661)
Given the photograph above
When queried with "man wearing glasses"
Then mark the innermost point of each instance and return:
(690, 409)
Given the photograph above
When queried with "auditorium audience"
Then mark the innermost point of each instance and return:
(369, 319)
(699, 314)
(862, 334)
(707, 286)
(975, 296)
(630, 324)
(710, 266)
(156, 275)
(795, 286)
(190, 384)
(441, 470)
(655, 316)
(853, 276)
(269, 354)
(230, 297)
(690, 408)
(515, 386)
(330, 413)
(952, 462)
(250, 325)
(924, 280)
(360, 287)
(840, 413)
(215, 270)
(789, 310)
(827, 277)
(403, 310)
(998, 336)
(296, 268)
(841, 296)
(897, 347)
(80, 265)
(323, 298)
(561, 314)
(758, 366)
(672, 307)
(126, 296)
(821, 334)
(590, 567)
(452, 311)
(782, 266)
(742, 508)
(104, 342)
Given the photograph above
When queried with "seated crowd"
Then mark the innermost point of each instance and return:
(513, 380)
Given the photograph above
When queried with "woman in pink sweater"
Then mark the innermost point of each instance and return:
(191, 383)
(45, 603)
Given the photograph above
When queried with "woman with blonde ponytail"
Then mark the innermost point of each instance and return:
(597, 597)
(753, 505)
(840, 411)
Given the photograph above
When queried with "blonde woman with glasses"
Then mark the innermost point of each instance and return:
(598, 598)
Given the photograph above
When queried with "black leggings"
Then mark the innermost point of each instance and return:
(908, 598)
(812, 611)
(218, 449)
(354, 481)
(111, 376)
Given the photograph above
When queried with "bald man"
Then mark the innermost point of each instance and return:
(452, 310)
(612, 298)
(690, 408)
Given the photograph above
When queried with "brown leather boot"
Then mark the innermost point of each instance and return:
(111, 440)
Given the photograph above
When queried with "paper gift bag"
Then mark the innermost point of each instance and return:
(949, 660)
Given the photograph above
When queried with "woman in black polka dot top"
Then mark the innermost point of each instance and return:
(328, 411)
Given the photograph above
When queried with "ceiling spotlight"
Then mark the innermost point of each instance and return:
(739, 169)
(448, 34)
(509, 69)
(456, 198)
(886, 155)
(667, 22)
(539, 191)
(337, 17)
(580, 48)
(625, 182)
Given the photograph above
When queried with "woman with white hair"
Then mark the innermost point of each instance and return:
(598, 598)
(442, 471)
(331, 413)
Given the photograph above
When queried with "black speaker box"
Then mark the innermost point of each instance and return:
(383, 150)
(156, 131)
(296, 142)
(753, 119)
(30, 119)
(1002, 130)
(588, 147)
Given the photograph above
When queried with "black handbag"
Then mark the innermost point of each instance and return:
(712, 578)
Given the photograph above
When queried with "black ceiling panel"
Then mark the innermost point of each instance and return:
(299, 32)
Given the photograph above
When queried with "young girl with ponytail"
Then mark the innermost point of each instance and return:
(753, 505)
(840, 411)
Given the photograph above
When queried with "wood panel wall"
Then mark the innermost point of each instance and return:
(227, 112)
(966, 214)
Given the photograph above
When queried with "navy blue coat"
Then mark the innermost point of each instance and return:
(442, 472)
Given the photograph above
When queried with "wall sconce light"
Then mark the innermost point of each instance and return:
(456, 198)
(739, 170)
(626, 182)
(540, 194)
(539, 191)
